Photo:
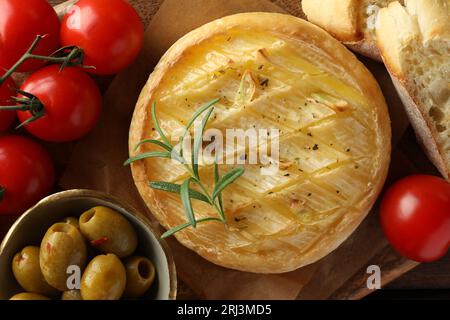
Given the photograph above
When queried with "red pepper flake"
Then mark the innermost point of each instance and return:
(99, 242)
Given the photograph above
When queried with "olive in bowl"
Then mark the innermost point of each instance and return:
(28, 296)
(104, 278)
(71, 295)
(108, 231)
(27, 271)
(72, 221)
(61, 247)
(140, 274)
(39, 225)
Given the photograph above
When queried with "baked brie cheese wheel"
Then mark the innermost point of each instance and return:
(270, 71)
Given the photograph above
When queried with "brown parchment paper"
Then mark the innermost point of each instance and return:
(96, 163)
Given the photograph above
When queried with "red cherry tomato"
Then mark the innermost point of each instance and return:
(109, 31)
(20, 23)
(6, 92)
(415, 216)
(26, 174)
(72, 103)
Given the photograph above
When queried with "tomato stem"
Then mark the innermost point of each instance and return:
(72, 55)
(2, 192)
(21, 60)
(29, 103)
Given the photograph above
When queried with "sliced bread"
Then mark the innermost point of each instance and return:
(414, 41)
(350, 21)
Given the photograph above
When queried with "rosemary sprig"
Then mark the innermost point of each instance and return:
(186, 192)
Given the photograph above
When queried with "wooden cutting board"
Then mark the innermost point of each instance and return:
(340, 275)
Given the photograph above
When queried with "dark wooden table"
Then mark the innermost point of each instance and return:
(429, 276)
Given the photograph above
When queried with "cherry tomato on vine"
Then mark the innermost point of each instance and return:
(415, 216)
(109, 31)
(26, 174)
(20, 23)
(6, 92)
(70, 101)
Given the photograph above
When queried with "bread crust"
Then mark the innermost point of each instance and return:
(422, 127)
(308, 34)
(338, 17)
(367, 48)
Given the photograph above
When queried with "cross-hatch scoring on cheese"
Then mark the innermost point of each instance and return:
(328, 145)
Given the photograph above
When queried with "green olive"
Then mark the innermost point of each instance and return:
(62, 246)
(72, 221)
(28, 296)
(71, 295)
(108, 231)
(26, 269)
(104, 278)
(140, 276)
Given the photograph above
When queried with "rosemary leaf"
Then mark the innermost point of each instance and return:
(151, 154)
(170, 232)
(197, 113)
(153, 141)
(175, 188)
(156, 125)
(200, 110)
(198, 143)
(226, 180)
(216, 181)
(216, 172)
(187, 204)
